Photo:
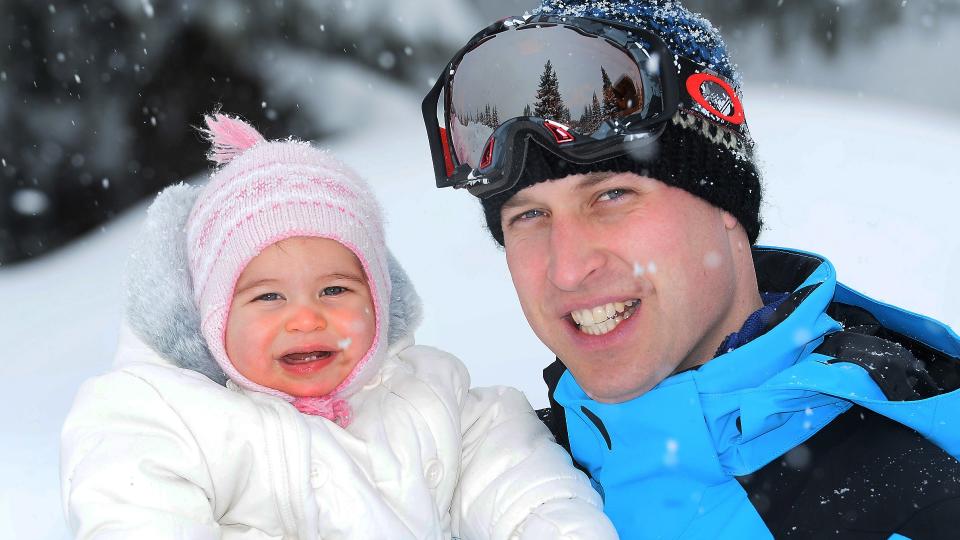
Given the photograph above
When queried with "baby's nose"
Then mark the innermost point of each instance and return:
(306, 319)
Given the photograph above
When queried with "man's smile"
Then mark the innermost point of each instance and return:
(602, 319)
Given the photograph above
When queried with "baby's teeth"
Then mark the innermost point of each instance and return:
(599, 314)
(619, 307)
(586, 316)
(610, 310)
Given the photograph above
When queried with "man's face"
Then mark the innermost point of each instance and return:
(625, 278)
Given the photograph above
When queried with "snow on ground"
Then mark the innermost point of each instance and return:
(867, 184)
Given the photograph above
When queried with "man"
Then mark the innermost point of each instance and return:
(709, 387)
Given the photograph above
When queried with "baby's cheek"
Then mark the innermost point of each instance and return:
(358, 326)
(362, 328)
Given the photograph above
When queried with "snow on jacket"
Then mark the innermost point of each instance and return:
(161, 448)
(841, 420)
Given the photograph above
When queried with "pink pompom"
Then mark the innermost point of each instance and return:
(229, 137)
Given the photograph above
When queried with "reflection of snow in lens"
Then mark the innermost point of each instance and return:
(30, 201)
(637, 269)
(344, 343)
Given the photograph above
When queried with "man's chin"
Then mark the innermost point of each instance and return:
(610, 381)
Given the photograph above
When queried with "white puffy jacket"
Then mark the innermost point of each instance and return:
(158, 448)
(150, 450)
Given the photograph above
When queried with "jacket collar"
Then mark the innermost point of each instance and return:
(719, 410)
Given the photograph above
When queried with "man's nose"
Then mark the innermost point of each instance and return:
(574, 254)
(306, 318)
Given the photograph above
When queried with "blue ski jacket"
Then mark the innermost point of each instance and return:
(841, 419)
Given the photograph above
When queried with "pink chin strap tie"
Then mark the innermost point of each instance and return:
(334, 409)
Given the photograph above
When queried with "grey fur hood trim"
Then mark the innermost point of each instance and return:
(159, 304)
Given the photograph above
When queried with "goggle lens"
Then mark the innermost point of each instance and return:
(545, 67)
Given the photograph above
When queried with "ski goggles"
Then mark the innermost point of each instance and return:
(584, 89)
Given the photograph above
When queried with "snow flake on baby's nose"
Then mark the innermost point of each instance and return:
(344, 343)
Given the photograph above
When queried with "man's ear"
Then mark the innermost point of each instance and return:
(729, 221)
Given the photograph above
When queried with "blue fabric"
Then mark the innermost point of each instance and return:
(755, 324)
(676, 450)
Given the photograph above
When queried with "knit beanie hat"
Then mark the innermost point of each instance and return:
(265, 192)
(693, 153)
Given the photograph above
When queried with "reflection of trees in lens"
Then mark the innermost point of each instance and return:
(610, 107)
(619, 99)
(489, 117)
(549, 103)
(592, 116)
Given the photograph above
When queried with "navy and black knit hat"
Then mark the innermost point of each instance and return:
(692, 153)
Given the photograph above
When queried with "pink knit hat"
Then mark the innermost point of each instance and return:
(267, 191)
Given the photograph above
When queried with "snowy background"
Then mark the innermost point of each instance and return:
(864, 174)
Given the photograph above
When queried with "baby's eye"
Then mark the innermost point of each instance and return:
(268, 297)
(612, 194)
(333, 291)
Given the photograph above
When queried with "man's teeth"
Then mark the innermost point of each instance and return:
(602, 319)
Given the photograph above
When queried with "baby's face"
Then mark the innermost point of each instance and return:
(302, 317)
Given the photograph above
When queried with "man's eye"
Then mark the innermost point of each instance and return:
(333, 291)
(268, 297)
(526, 216)
(612, 194)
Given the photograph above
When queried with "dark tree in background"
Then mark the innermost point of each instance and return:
(97, 98)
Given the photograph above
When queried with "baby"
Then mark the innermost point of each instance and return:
(268, 386)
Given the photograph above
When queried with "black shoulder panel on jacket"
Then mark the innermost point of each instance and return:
(903, 368)
(782, 271)
(863, 476)
(554, 417)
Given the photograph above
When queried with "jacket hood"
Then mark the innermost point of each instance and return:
(159, 306)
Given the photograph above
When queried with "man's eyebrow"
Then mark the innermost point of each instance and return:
(592, 179)
(517, 200)
(588, 181)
